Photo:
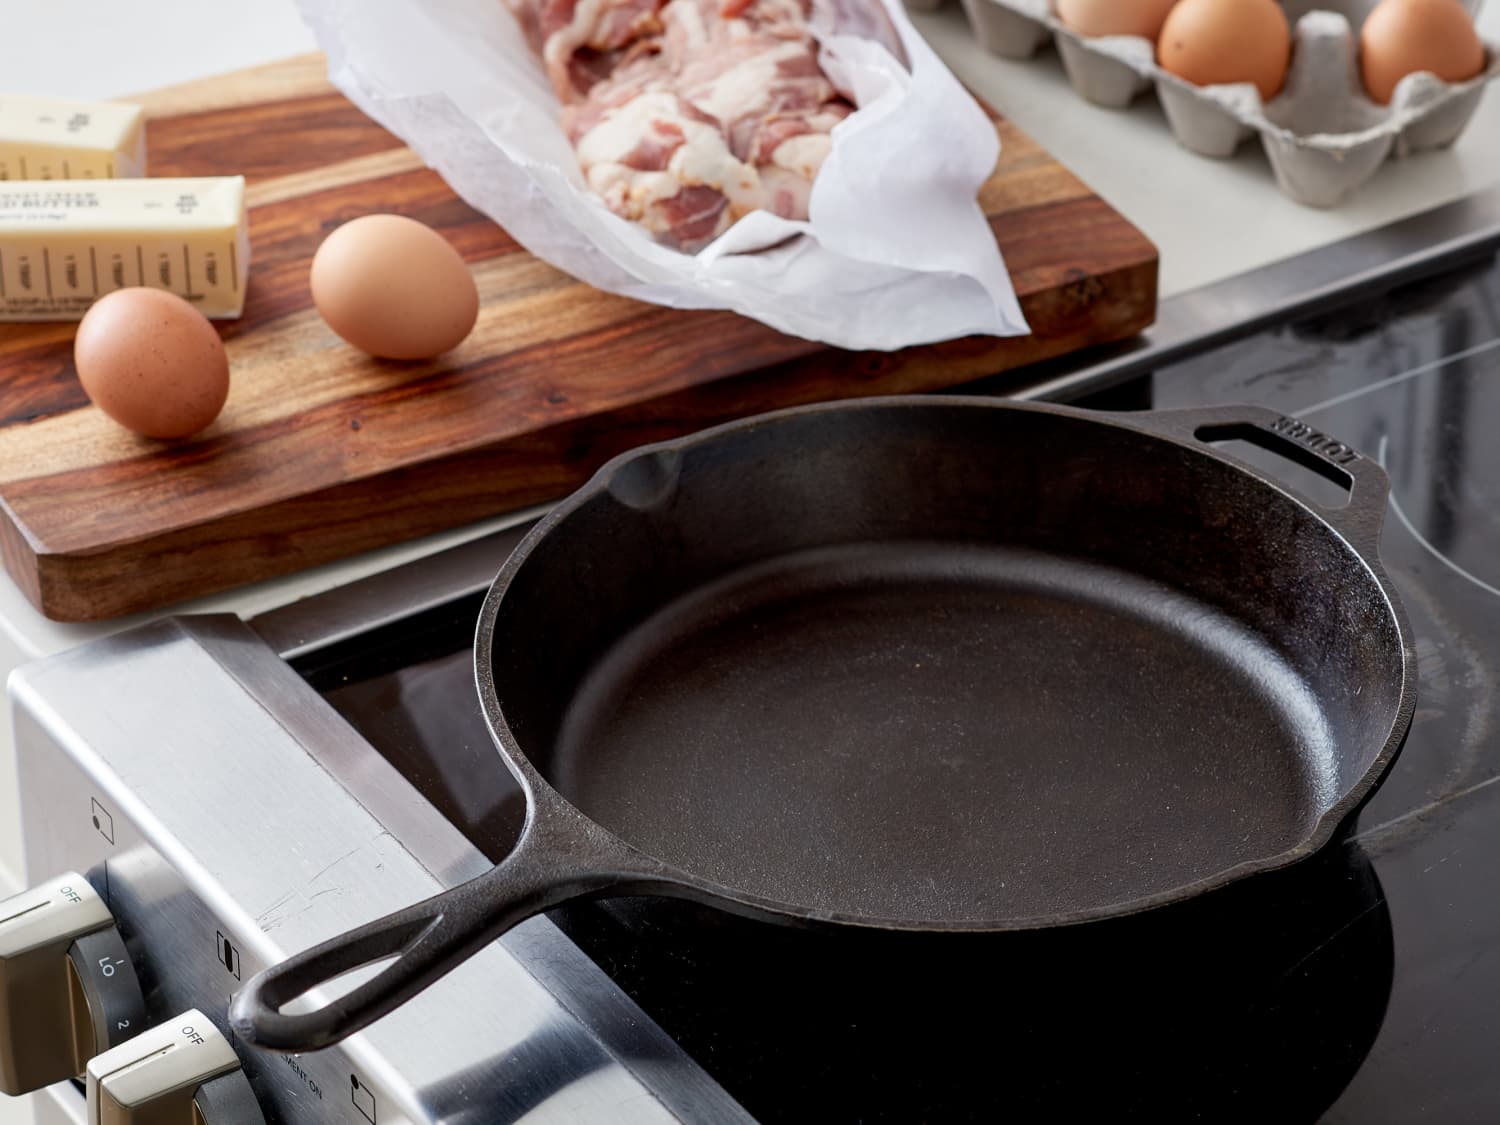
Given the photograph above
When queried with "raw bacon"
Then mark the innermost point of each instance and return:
(581, 41)
(688, 114)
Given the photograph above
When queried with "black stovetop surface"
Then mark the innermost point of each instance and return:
(1361, 986)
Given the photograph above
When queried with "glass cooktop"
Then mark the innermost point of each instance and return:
(1362, 986)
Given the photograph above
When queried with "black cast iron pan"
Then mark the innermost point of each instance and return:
(934, 664)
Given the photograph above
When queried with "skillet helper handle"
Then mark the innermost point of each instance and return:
(1359, 520)
(429, 939)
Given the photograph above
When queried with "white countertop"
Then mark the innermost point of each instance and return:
(1210, 219)
(88, 49)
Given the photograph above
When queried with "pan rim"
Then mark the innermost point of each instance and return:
(537, 788)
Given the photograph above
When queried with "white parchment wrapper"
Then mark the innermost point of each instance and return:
(896, 252)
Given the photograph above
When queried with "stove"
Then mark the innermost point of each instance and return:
(235, 791)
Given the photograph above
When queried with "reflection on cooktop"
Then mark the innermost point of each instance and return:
(1255, 1005)
(1445, 489)
(425, 719)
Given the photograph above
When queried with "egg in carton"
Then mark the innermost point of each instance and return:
(1323, 135)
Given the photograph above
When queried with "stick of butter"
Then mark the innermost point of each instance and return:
(61, 139)
(66, 243)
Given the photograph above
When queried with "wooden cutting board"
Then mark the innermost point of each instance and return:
(322, 452)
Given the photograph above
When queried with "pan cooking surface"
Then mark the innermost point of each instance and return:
(945, 732)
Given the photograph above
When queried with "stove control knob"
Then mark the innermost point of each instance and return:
(183, 1072)
(67, 988)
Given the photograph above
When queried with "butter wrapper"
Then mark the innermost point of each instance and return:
(66, 139)
(66, 243)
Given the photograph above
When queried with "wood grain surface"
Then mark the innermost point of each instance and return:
(322, 452)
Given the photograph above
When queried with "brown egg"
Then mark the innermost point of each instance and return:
(394, 288)
(152, 362)
(1401, 37)
(1214, 42)
(1115, 17)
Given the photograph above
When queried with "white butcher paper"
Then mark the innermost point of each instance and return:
(896, 252)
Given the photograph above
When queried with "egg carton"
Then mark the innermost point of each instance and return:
(1324, 137)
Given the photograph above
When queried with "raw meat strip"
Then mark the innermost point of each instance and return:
(724, 116)
(581, 41)
(688, 114)
(655, 161)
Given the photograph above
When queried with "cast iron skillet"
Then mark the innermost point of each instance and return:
(923, 664)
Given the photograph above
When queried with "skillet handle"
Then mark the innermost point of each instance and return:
(554, 862)
(1369, 488)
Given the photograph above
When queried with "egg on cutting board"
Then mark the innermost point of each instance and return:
(394, 287)
(1115, 17)
(1402, 37)
(152, 362)
(1218, 42)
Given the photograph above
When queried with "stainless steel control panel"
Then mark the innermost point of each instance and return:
(227, 817)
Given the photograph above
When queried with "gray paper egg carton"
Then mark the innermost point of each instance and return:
(1323, 135)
